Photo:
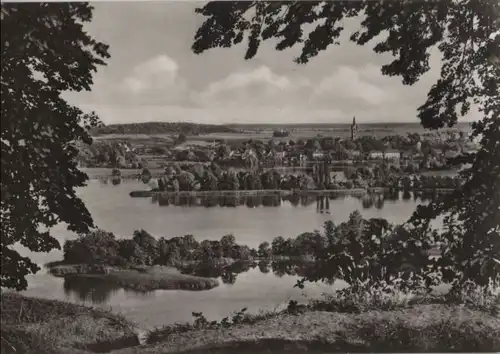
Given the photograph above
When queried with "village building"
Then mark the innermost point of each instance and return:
(386, 155)
(376, 155)
(318, 154)
(392, 155)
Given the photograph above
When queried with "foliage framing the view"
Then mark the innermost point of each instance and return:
(45, 52)
(466, 32)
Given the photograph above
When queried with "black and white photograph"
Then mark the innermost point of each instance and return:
(250, 177)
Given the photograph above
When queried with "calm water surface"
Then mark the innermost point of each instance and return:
(114, 210)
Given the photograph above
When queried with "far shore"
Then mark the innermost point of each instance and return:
(98, 173)
(276, 192)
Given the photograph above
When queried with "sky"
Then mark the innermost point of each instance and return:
(153, 75)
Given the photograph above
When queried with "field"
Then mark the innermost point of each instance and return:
(297, 131)
(306, 131)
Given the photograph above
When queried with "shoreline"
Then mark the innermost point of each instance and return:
(105, 173)
(278, 192)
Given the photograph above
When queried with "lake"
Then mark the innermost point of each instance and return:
(114, 210)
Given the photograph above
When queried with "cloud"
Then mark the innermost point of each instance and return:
(156, 80)
(347, 85)
(260, 86)
(343, 89)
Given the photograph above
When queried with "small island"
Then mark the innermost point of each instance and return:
(144, 263)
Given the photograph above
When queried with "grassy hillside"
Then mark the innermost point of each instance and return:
(38, 326)
(420, 328)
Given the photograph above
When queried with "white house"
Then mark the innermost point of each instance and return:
(376, 155)
(392, 155)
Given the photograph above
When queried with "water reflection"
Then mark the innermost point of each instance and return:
(117, 180)
(323, 204)
(95, 290)
(368, 201)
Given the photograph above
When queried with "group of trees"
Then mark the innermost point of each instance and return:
(374, 251)
(353, 246)
(108, 154)
(213, 178)
(391, 176)
(99, 247)
(357, 240)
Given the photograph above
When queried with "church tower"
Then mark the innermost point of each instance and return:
(354, 129)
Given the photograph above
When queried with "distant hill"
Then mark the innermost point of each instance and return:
(161, 128)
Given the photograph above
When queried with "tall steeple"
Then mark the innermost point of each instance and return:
(354, 128)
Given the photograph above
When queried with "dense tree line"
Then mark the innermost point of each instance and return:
(161, 128)
(103, 248)
(389, 176)
(214, 178)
